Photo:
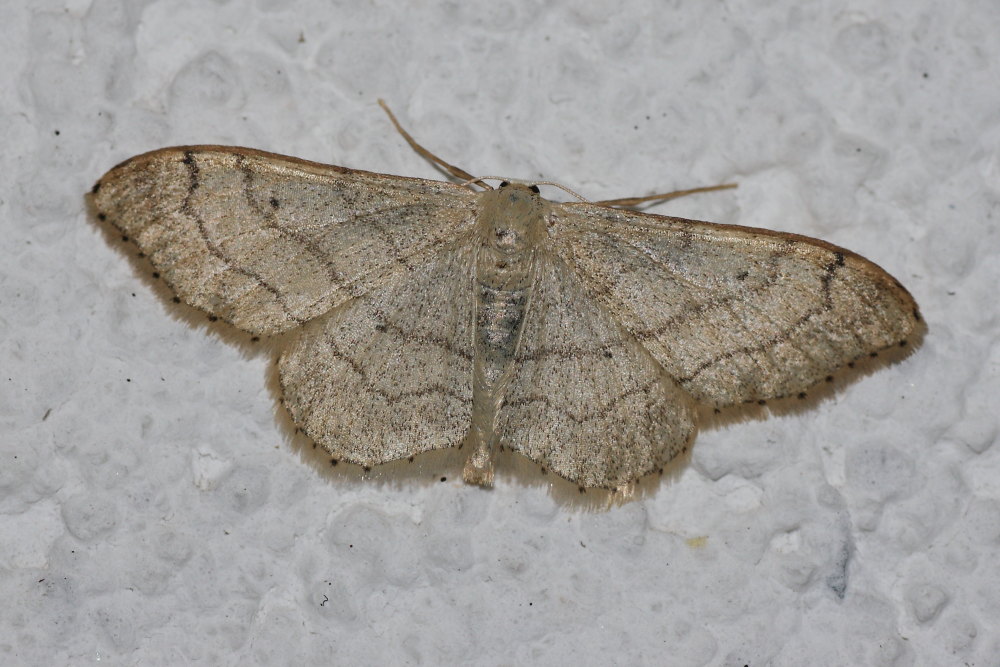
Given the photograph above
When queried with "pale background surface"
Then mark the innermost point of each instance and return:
(155, 512)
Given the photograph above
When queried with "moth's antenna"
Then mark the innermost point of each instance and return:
(634, 201)
(477, 181)
(426, 154)
(521, 181)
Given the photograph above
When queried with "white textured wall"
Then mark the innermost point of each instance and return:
(153, 510)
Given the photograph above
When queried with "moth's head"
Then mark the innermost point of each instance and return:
(512, 216)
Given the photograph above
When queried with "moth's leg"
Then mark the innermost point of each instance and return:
(635, 201)
(426, 154)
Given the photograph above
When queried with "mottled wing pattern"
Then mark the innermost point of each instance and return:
(389, 374)
(267, 242)
(733, 314)
(587, 400)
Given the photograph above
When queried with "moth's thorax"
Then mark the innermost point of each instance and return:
(512, 218)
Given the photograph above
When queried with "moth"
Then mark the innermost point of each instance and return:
(424, 314)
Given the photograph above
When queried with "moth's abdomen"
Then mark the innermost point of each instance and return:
(499, 322)
(500, 317)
